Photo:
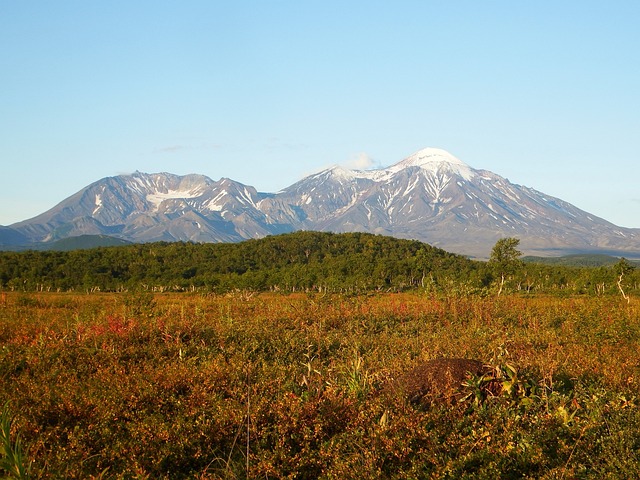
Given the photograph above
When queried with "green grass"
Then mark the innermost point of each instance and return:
(275, 386)
(12, 460)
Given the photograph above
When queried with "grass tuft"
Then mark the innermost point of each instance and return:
(12, 460)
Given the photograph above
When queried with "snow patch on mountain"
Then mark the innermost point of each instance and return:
(214, 204)
(431, 160)
(98, 203)
(342, 174)
(157, 198)
(436, 161)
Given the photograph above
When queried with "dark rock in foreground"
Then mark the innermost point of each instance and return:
(436, 381)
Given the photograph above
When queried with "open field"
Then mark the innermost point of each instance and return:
(133, 385)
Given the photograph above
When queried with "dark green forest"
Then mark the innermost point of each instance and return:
(301, 261)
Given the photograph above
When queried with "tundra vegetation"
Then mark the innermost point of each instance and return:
(227, 381)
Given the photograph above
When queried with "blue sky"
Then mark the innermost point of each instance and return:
(544, 93)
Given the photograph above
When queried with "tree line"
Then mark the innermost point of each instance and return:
(302, 261)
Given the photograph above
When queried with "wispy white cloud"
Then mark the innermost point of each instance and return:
(360, 161)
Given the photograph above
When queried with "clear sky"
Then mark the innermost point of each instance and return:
(545, 93)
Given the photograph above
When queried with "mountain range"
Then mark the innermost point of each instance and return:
(430, 196)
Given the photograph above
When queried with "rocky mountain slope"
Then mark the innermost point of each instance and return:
(430, 196)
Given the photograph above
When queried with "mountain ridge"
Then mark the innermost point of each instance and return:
(430, 196)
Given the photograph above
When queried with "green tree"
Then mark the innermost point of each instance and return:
(505, 259)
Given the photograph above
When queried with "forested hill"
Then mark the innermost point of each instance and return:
(300, 261)
(290, 262)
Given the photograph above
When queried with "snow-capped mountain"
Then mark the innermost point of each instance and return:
(430, 196)
(435, 197)
(152, 207)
